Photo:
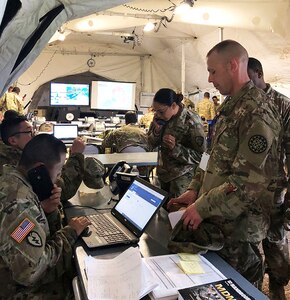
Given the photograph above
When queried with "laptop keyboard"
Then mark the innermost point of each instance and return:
(106, 229)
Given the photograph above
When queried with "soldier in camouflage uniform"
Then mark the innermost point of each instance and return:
(180, 139)
(35, 251)
(205, 108)
(17, 132)
(147, 118)
(236, 191)
(128, 135)
(275, 246)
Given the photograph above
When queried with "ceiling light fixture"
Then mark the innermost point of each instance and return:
(183, 7)
(149, 27)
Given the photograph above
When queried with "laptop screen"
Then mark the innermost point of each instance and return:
(64, 132)
(139, 204)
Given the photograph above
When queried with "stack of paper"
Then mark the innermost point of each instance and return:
(123, 277)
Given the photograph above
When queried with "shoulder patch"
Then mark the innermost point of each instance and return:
(34, 239)
(258, 144)
(22, 230)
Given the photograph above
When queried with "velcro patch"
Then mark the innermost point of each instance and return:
(22, 230)
(258, 144)
(34, 239)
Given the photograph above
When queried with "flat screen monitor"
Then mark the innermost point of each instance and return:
(69, 94)
(108, 95)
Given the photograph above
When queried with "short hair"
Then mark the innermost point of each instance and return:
(167, 97)
(44, 148)
(206, 94)
(255, 65)
(231, 48)
(214, 97)
(9, 114)
(130, 117)
(16, 90)
(10, 126)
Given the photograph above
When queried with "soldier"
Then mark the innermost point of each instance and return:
(275, 246)
(205, 108)
(11, 101)
(128, 135)
(179, 135)
(188, 104)
(147, 118)
(216, 103)
(236, 191)
(35, 251)
(17, 132)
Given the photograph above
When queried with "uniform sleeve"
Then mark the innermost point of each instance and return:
(191, 152)
(154, 136)
(32, 256)
(71, 176)
(255, 157)
(196, 181)
(2, 102)
(20, 107)
(109, 140)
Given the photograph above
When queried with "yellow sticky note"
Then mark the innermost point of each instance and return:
(191, 267)
(189, 256)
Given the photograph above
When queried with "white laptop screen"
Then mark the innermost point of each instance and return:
(64, 132)
(139, 204)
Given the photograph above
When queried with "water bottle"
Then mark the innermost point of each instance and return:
(135, 170)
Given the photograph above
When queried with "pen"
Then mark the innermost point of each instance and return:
(109, 202)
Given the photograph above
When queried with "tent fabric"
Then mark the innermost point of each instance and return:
(26, 22)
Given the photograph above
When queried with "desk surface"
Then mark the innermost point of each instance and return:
(153, 242)
(138, 158)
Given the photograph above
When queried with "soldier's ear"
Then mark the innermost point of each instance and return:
(12, 141)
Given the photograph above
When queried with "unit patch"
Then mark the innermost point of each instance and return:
(258, 144)
(34, 239)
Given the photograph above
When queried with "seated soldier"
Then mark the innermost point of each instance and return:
(35, 251)
(128, 135)
(17, 132)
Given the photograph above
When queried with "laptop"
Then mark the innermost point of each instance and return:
(66, 132)
(128, 218)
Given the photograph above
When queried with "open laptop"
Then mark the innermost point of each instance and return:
(128, 219)
(66, 132)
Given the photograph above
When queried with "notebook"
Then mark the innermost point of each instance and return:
(65, 132)
(129, 217)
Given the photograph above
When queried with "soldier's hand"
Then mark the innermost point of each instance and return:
(78, 146)
(79, 224)
(184, 199)
(51, 204)
(191, 218)
(169, 141)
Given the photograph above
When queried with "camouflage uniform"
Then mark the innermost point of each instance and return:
(205, 108)
(237, 189)
(147, 119)
(128, 135)
(35, 260)
(10, 101)
(71, 174)
(188, 104)
(176, 167)
(275, 246)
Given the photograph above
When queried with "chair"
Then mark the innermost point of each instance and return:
(91, 149)
(132, 149)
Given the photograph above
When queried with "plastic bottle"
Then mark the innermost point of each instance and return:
(135, 170)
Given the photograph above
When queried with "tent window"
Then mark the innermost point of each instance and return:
(44, 23)
(12, 7)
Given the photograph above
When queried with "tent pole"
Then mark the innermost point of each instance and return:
(221, 33)
(182, 68)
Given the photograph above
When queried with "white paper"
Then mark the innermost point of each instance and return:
(175, 216)
(171, 278)
(204, 160)
(115, 279)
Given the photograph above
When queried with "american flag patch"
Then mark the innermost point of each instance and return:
(22, 230)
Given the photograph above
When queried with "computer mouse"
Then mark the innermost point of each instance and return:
(86, 232)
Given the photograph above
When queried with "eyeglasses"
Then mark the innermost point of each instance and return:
(160, 112)
(31, 132)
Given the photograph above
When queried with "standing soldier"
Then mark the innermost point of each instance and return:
(275, 246)
(205, 108)
(236, 191)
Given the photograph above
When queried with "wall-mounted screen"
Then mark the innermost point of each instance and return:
(69, 94)
(108, 95)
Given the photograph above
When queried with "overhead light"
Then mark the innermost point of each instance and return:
(183, 7)
(149, 27)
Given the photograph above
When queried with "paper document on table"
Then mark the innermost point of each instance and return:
(174, 217)
(115, 279)
(170, 277)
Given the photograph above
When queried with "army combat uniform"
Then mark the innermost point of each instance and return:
(205, 108)
(147, 119)
(128, 135)
(237, 190)
(176, 167)
(275, 246)
(10, 101)
(35, 252)
(71, 174)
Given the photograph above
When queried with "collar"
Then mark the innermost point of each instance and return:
(11, 170)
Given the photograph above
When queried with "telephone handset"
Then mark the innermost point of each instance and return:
(120, 166)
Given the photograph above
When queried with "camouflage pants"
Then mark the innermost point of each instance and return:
(276, 252)
(246, 258)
